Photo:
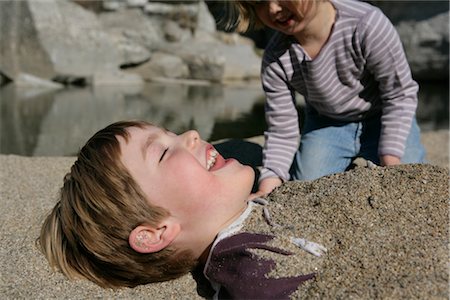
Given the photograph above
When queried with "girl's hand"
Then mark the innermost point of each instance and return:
(389, 160)
(265, 187)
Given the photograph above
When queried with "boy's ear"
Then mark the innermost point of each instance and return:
(148, 239)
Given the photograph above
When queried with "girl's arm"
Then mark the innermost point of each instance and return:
(386, 60)
(283, 134)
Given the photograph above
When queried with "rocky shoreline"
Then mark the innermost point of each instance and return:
(167, 40)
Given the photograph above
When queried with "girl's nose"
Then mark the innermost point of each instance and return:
(192, 138)
(274, 7)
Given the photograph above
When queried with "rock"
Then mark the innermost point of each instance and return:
(134, 26)
(185, 14)
(131, 53)
(112, 5)
(136, 3)
(410, 10)
(162, 65)
(24, 80)
(241, 62)
(423, 27)
(205, 21)
(426, 45)
(172, 11)
(173, 32)
(125, 36)
(131, 50)
(54, 37)
(116, 78)
(205, 60)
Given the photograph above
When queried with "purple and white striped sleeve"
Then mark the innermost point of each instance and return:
(283, 134)
(386, 59)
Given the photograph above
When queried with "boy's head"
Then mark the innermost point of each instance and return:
(132, 206)
(287, 16)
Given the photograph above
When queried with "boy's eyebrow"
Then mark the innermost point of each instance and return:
(147, 144)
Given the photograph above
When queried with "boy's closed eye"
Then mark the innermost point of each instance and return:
(163, 154)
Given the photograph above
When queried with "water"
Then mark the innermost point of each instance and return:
(56, 123)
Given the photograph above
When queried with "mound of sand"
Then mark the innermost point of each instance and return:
(386, 231)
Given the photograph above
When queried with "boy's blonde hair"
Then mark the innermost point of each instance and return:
(86, 234)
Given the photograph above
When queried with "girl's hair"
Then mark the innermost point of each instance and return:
(86, 233)
(241, 16)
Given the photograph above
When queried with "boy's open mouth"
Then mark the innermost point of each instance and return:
(214, 160)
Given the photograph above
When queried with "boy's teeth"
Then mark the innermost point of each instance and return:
(212, 159)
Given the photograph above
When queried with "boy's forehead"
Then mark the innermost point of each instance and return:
(142, 129)
(137, 135)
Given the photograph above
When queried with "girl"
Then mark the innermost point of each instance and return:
(346, 59)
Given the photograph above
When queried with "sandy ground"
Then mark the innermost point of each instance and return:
(29, 186)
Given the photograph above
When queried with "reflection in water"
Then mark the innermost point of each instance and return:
(57, 123)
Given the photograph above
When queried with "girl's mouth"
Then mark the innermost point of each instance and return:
(285, 20)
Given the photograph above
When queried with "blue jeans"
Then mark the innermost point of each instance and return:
(328, 146)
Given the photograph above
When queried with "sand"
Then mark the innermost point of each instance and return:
(403, 254)
(386, 231)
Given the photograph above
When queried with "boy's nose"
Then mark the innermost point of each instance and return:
(192, 138)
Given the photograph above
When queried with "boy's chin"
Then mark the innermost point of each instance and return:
(252, 184)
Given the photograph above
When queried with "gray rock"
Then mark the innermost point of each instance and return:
(162, 65)
(423, 27)
(134, 26)
(116, 78)
(54, 37)
(241, 62)
(426, 45)
(204, 60)
(136, 3)
(55, 47)
(21, 49)
(112, 5)
(169, 10)
(173, 32)
(131, 52)
(24, 80)
(60, 38)
(205, 21)
(411, 10)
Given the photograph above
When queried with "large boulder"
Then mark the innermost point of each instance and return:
(74, 41)
(426, 45)
(423, 27)
(49, 38)
(135, 26)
